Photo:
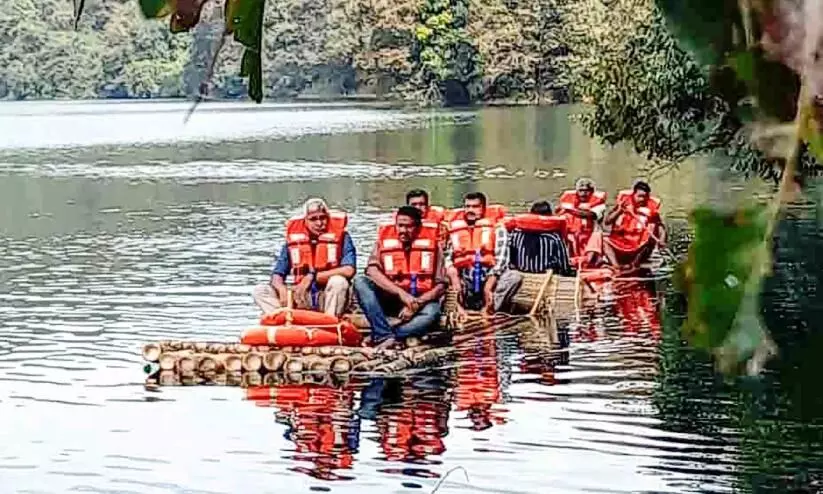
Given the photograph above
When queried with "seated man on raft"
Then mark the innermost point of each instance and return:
(419, 199)
(405, 277)
(320, 255)
(477, 256)
(637, 228)
(431, 215)
(583, 208)
(537, 241)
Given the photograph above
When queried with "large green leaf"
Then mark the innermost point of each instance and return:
(761, 77)
(248, 30)
(231, 12)
(156, 9)
(721, 277)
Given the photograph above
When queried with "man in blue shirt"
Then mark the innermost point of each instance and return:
(319, 256)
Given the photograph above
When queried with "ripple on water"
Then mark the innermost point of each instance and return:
(202, 172)
(82, 305)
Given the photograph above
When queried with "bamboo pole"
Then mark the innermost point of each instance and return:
(251, 379)
(252, 361)
(273, 361)
(186, 364)
(167, 361)
(340, 365)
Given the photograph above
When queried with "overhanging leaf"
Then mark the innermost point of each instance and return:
(704, 28)
(248, 30)
(761, 76)
(156, 9)
(186, 15)
(231, 11)
(79, 5)
(810, 132)
(721, 277)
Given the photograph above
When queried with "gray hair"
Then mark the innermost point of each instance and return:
(584, 183)
(314, 204)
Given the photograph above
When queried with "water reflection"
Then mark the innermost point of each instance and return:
(477, 387)
(106, 248)
(411, 416)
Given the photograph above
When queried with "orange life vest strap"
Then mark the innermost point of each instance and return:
(537, 223)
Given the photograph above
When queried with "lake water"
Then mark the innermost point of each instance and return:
(120, 226)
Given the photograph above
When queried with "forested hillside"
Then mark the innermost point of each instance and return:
(483, 49)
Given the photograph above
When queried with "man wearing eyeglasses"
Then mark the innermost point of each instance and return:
(320, 256)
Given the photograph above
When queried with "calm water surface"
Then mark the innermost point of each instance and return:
(121, 226)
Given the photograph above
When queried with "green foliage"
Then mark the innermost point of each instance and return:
(722, 277)
(641, 87)
(448, 67)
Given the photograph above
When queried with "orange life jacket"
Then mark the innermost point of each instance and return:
(636, 219)
(420, 262)
(435, 217)
(468, 240)
(570, 200)
(325, 254)
(537, 223)
(435, 214)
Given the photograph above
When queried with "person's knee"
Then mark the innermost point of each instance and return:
(431, 310)
(510, 280)
(337, 283)
(261, 291)
(513, 277)
(361, 283)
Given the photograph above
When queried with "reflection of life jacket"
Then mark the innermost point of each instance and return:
(580, 228)
(630, 230)
(321, 255)
(478, 383)
(318, 419)
(637, 309)
(536, 223)
(478, 238)
(417, 267)
(412, 430)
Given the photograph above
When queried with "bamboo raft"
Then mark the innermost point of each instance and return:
(544, 300)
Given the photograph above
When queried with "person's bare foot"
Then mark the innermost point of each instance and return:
(387, 344)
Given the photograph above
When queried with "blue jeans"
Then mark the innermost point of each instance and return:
(376, 303)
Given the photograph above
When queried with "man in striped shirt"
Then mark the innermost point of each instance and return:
(499, 283)
(538, 252)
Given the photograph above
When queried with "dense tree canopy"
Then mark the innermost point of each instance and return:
(424, 50)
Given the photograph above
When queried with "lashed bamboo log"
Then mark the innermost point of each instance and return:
(153, 351)
(252, 361)
(531, 291)
(340, 365)
(251, 379)
(186, 364)
(167, 361)
(273, 361)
